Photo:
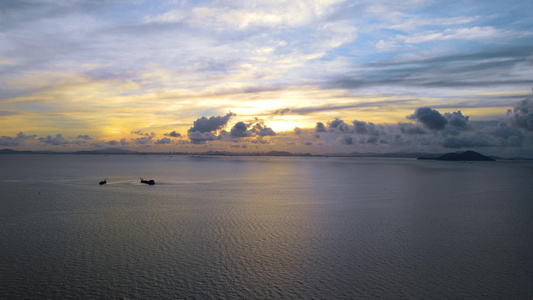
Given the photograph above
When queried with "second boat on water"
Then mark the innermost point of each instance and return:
(150, 182)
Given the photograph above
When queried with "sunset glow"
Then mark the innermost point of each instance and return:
(144, 72)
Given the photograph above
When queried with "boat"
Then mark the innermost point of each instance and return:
(150, 182)
(103, 182)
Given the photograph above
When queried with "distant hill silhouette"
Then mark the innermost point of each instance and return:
(101, 151)
(463, 156)
(11, 151)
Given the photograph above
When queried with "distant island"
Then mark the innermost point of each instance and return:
(463, 156)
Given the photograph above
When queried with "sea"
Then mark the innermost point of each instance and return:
(216, 227)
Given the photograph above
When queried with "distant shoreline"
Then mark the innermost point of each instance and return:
(420, 156)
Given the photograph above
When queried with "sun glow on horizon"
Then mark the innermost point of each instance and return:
(283, 125)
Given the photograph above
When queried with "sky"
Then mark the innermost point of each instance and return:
(316, 77)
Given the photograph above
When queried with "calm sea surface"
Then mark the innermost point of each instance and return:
(264, 228)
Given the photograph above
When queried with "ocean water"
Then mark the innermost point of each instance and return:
(264, 228)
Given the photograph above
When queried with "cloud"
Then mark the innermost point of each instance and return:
(145, 134)
(122, 142)
(510, 136)
(204, 124)
(414, 22)
(163, 141)
(198, 137)
(15, 141)
(522, 115)
(78, 142)
(451, 130)
(346, 140)
(465, 142)
(281, 112)
(457, 69)
(361, 127)
(329, 107)
(476, 33)
(372, 140)
(338, 125)
(410, 128)
(262, 14)
(320, 127)
(240, 130)
(4, 113)
(173, 134)
(204, 129)
(143, 140)
(456, 119)
(262, 130)
(307, 59)
(430, 118)
(84, 137)
(58, 140)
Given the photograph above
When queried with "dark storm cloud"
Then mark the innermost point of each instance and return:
(522, 115)
(239, 130)
(173, 134)
(15, 141)
(339, 125)
(430, 118)
(204, 124)
(320, 127)
(58, 140)
(203, 128)
(482, 134)
(262, 130)
(457, 119)
(198, 137)
(361, 127)
(449, 130)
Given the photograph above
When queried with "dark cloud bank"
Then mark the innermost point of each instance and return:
(427, 129)
(431, 130)
(210, 129)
